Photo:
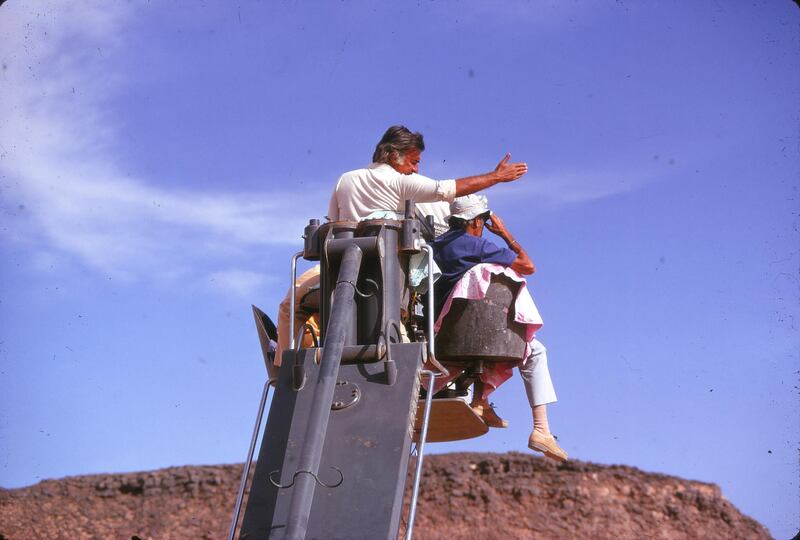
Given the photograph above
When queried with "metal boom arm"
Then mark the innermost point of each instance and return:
(341, 317)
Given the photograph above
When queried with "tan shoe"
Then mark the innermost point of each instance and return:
(488, 415)
(547, 445)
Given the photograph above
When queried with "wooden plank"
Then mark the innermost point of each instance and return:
(452, 419)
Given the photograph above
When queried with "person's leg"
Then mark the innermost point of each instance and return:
(538, 385)
(494, 374)
(539, 389)
(480, 404)
(305, 281)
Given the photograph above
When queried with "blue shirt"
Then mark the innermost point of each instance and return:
(456, 252)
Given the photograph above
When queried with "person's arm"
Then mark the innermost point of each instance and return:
(333, 205)
(504, 172)
(333, 209)
(522, 264)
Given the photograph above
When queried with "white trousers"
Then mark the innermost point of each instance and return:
(536, 376)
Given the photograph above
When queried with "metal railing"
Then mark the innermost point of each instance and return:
(412, 511)
(246, 471)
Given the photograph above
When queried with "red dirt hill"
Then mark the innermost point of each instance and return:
(466, 495)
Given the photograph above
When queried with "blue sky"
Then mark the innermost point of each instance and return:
(159, 160)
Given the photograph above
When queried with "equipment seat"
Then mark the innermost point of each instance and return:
(482, 330)
(473, 333)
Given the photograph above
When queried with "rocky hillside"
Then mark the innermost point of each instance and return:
(468, 495)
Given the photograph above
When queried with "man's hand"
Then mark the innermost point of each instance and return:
(504, 172)
(522, 264)
(498, 227)
(507, 172)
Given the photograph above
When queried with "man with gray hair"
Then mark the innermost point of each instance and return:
(393, 177)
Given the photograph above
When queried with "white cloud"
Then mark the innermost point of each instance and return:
(573, 187)
(242, 283)
(60, 188)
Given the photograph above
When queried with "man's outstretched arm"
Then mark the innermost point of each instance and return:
(504, 172)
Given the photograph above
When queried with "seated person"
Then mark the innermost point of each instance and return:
(456, 252)
(305, 282)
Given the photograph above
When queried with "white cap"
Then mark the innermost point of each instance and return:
(469, 207)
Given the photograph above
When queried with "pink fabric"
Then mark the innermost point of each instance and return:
(473, 286)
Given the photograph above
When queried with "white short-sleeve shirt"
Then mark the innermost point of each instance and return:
(361, 192)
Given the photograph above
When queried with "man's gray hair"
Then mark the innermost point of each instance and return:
(395, 143)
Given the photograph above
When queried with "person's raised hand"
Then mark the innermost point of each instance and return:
(507, 172)
(496, 225)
